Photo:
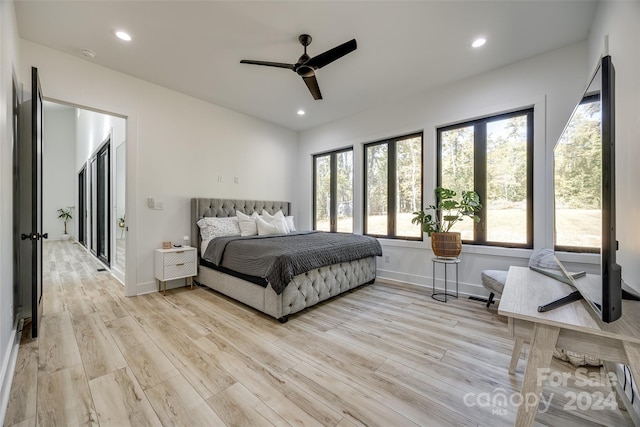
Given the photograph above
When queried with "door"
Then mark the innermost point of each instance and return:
(103, 209)
(82, 206)
(29, 186)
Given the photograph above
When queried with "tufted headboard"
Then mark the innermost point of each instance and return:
(222, 208)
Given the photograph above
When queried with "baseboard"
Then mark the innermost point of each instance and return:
(467, 289)
(8, 369)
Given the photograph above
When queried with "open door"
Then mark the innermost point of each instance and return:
(29, 185)
(82, 206)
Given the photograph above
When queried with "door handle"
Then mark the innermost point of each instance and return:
(34, 236)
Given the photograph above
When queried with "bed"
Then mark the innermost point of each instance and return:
(303, 290)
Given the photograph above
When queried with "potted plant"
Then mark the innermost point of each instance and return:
(446, 213)
(65, 215)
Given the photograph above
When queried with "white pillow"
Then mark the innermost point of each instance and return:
(212, 227)
(247, 223)
(266, 229)
(290, 224)
(277, 219)
(203, 246)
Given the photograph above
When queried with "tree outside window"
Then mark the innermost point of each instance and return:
(393, 187)
(492, 156)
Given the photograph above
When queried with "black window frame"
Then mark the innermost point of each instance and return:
(391, 188)
(480, 173)
(333, 188)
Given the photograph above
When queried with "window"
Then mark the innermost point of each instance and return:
(492, 156)
(577, 180)
(393, 187)
(333, 191)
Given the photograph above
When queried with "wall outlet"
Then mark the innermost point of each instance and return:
(386, 258)
(150, 202)
(236, 180)
(219, 178)
(158, 206)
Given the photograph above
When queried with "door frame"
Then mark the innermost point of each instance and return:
(96, 201)
(131, 287)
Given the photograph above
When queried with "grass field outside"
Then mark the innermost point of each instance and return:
(575, 227)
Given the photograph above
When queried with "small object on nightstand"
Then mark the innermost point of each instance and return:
(166, 245)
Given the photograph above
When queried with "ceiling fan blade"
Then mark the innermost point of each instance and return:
(269, 64)
(331, 55)
(312, 84)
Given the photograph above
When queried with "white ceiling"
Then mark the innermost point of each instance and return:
(403, 47)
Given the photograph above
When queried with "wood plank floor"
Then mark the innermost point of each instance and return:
(382, 355)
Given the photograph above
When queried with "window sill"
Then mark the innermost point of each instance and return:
(570, 257)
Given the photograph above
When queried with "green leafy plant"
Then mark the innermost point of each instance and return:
(448, 211)
(65, 215)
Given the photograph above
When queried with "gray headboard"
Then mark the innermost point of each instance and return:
(221, 208)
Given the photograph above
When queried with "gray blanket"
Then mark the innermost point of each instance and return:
(280, 258)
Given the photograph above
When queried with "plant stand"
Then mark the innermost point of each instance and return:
(442, 296)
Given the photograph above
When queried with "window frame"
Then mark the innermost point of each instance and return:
(391, 188)
(480, 172)
(333, 188)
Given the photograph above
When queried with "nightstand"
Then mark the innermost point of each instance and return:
(175, 263)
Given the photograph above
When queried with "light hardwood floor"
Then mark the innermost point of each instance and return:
(385, 355)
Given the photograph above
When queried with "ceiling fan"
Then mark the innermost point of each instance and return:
(306, 66)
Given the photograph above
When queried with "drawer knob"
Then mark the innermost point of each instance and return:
(178, 265)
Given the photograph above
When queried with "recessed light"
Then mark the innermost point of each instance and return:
(301, 112)
(123, 36)
(479, 42)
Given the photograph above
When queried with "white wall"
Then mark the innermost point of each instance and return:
(92, 130)
(9, 62)
(177, 146)
(58, 170)
(552, 83)
(620, 20)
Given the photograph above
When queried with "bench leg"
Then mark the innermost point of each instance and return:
(490, 300)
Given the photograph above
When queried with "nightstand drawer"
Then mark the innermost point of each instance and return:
(176, 271)
(179, 257)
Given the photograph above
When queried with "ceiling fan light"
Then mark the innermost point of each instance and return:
(301, 112)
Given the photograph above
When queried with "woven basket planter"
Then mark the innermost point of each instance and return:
(446, 245)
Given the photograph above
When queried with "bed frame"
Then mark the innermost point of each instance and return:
(303, 291)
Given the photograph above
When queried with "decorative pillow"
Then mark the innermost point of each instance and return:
(211, 227)
(264, 228)
(277, 219)
(247, 223)
(290, 223)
